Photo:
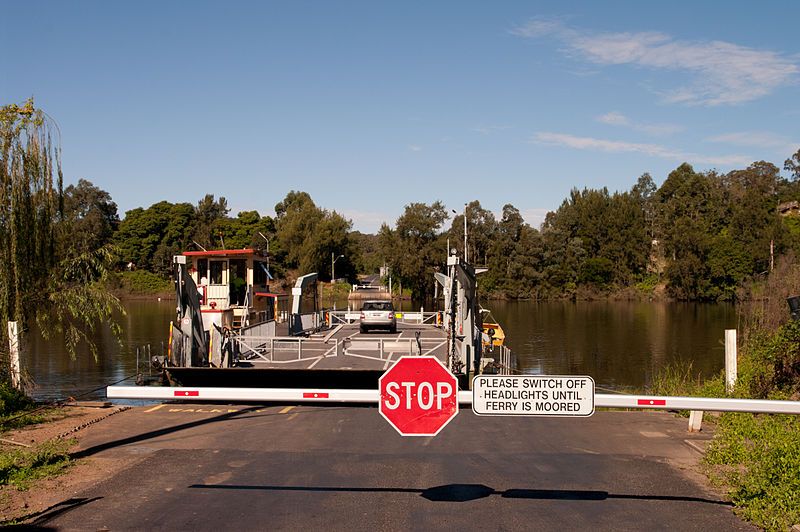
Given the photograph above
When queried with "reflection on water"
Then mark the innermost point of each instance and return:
(57, 376)
(620, 344)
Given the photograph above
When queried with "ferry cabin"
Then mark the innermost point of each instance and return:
(232, 285)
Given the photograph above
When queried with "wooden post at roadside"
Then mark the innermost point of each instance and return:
(696, 416)
(730, 360)
(13, 352)
(695, 420)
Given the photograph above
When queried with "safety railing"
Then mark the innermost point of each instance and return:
(336, 317)
(284, 350)
(387, 348)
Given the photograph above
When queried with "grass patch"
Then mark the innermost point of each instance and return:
(648, 284)
(18, 410)
(758, 458)
(20, 467)
(755, 456)
(680, 379)
(143, 282)
(13, 401)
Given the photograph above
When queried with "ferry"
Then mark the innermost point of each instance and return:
(233, 330)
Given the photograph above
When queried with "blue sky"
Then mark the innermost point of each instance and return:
(369, 106)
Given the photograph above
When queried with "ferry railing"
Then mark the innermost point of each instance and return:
(336, 317)
(391, 348)
(419, 317)
(498, 359)
(293, 349)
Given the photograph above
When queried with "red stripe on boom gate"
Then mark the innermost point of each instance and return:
(315, 395)
(651, 402)
(187, 393)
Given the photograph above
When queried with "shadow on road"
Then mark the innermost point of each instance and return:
(159, 432)
(36, 520)
(471, 492)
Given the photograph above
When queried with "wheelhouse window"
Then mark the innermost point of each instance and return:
(202, 270)
(218, 268)
(259, 273)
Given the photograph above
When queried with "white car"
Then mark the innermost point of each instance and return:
(378, 315)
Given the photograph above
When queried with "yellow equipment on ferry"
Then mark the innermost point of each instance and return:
(492, 330)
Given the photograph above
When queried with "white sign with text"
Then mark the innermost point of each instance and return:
(533, 395)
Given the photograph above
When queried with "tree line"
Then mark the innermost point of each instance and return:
(699, 236)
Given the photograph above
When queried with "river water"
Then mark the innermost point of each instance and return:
(619, 344)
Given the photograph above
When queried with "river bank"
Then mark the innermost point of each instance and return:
(755, 458)
(37, 469)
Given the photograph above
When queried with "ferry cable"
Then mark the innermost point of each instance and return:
(61, 402)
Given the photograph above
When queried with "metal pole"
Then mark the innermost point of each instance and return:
(730, 360)
(465, 232)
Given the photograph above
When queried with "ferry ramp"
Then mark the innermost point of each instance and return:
(344, 347)
(341, 357)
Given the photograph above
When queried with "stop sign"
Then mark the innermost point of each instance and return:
(419, 396)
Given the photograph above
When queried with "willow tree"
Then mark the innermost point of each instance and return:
(60, 287)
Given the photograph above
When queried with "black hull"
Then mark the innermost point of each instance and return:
(274, 378)
(341, 379)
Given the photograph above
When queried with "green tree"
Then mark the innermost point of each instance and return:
(594, 225)
(308, 235)
(415, 248)
(245, 230)
(751, 217)
(514, 257)
(481, 228)
(295, 219)
(690, 209)
(150, 237)
(208, 213)
(644, 192)
(792, 165)
(370, 260)
(62, 288)
(90, 217)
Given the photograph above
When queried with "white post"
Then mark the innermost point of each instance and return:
(13, 351)
(695, 420)
(730, 359)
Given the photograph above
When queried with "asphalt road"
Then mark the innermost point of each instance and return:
(220, 467)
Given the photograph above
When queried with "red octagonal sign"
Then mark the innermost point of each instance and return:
(419, 396)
